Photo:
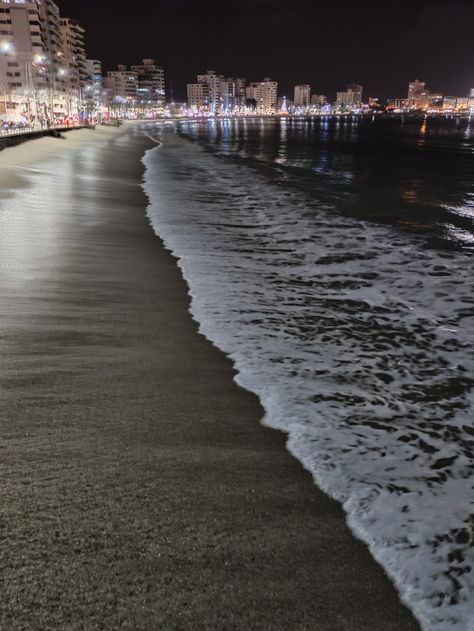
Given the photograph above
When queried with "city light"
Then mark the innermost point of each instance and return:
(6, 47)
(59, 82)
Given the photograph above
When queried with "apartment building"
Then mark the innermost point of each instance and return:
(94, 89)
(52, 64)
(21, 43)
(302, 95)
(73, 58)
(42, 61)
(418, 95)
(121, 84)
(266, 96)
(233, 94)
(350, 98)
(213, 81)
(151, 83)
(251, 91)
(198, 95)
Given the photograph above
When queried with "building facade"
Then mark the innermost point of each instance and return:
(397, 104)
(22, 45)
(302, 95)
(418, 95)
(350, 98)
(74, 63)
(233, 94)
(53, 64)
(266, 95)
(42, 62)
(94, 90)
(198, 95)
(121, 84)
(251, 91)
(455, 103)
(151, 83)
(217, 94)
(214, 84)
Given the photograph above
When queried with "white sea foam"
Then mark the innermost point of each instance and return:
(358, 341)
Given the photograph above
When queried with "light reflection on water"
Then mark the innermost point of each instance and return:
(409, 176)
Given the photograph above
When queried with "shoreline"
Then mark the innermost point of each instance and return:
(142, 489)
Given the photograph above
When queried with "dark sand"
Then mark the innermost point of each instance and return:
(138, 488)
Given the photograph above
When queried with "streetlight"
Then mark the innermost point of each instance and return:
(6, 47)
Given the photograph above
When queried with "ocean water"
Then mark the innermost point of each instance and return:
(334, 264)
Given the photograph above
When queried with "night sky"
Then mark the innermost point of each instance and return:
(382, 45)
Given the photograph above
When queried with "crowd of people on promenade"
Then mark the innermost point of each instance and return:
(18, 125)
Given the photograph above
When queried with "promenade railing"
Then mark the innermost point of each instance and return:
(6, 132)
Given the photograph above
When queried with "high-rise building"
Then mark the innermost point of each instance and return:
(53, 65)
(415, 89)
(198, 95)
(217, 93)
(121, 84)
(40, 57)
(418, 95)
(233, 94)
(302, 95)
(21, 45)
(267, 96)
(42, 61)
(94, 71)
(74, 60)
(93, 91)
(350, 98)
(251, 91)
(213, 81)
(151, 83)
(356, 90)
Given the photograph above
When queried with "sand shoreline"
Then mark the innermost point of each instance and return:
(140, 490)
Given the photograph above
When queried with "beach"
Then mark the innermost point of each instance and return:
(140, 490)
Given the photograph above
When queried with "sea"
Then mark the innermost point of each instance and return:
(333, 262)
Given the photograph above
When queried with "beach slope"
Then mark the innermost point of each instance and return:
(139, 490)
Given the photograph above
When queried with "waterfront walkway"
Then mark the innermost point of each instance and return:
(16, 135)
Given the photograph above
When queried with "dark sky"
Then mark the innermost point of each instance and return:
(328, 44)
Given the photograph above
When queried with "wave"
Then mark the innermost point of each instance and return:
(358, 341)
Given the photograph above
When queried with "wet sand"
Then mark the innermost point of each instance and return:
(139, 490)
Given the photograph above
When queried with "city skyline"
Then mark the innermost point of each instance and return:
(323, 46)
(48, 73)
